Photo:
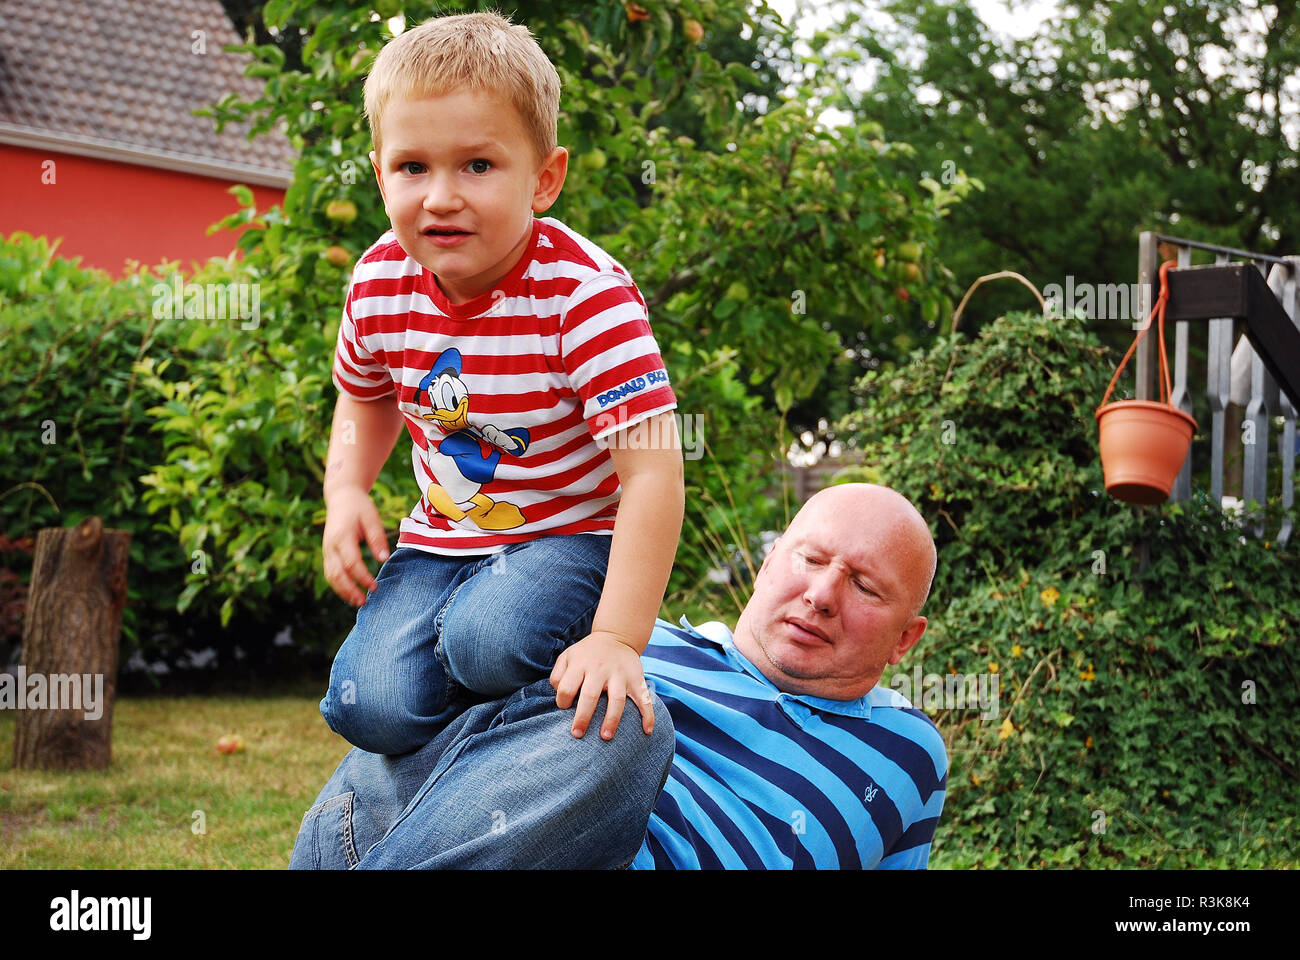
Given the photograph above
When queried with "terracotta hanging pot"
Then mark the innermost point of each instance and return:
(1144, 443)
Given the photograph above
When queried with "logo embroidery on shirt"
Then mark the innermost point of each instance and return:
(871, 793)
(544, 241)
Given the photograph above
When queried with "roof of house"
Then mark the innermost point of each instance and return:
(117, 79)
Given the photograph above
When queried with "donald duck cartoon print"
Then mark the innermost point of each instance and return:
(467, 457)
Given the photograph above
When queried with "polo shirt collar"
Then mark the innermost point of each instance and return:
(719, 634)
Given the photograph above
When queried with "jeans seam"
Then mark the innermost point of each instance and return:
(442, 611)
(452, 684)
(345, 800)
(349, 844)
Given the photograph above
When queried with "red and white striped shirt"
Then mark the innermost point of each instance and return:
(505, 396)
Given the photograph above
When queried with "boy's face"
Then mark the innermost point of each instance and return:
(463, 161)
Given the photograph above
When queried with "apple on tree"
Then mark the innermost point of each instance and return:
(738, 292)
(339, 256)
(341, 211)
(592, 160)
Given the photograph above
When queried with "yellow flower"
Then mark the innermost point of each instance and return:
(1089, 674)
(1007, 729)
(936, 492)
(1015, 650)
(1050, 596)
(1164, 793)
(1087, 744)
(993, 667)
(974, 779)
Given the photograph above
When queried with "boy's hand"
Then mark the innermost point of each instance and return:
(350, 516)
(601, 661)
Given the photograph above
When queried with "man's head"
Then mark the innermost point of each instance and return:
(462, 111)
(839, 596)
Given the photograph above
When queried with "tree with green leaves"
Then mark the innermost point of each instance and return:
(1113, 118)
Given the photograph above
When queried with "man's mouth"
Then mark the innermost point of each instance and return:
(806, 632)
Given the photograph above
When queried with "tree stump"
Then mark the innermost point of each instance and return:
(71, 633)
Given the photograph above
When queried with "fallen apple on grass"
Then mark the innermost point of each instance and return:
(230, 743)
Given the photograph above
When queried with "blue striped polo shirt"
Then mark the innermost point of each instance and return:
(765, 779)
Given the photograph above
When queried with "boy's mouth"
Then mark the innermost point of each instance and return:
(445, 232)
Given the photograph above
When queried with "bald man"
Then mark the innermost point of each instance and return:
(773, 746)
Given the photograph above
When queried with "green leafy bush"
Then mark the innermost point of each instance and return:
(75, 439)
(141, 417)
(1145, 657)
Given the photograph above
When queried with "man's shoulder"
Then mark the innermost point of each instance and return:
(685, 633)
(677, 647)
(891, 710)
(666, 635)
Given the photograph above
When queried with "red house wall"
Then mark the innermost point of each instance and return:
(107, 211)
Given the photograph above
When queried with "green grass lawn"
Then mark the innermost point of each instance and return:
(141, 812)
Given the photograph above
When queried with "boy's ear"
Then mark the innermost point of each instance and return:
(550, 179)
(374, 162)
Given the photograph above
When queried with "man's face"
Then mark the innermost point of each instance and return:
(833, 601)
(463, 161)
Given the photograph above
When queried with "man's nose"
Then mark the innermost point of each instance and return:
(820, 591)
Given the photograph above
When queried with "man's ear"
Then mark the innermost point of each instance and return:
(907, 640)
(550, 179)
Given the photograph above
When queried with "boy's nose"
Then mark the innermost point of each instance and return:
(442, 193)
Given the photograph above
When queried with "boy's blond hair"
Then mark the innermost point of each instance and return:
(478, 51)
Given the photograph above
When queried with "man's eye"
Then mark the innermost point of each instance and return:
(475, 163)
(864, 589)
(810, 561)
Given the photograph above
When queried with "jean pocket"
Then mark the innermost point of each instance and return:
(325, 840)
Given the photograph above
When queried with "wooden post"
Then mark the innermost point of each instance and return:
(1148, 290)
(71, 634)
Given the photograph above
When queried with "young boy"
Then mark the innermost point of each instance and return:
(519, 357)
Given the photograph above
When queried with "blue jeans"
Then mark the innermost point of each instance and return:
(441, 632)
(505, 785)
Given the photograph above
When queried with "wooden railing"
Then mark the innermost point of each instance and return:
(1256, 298)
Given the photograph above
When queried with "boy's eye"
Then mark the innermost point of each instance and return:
(404, 167)
(475, 163)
